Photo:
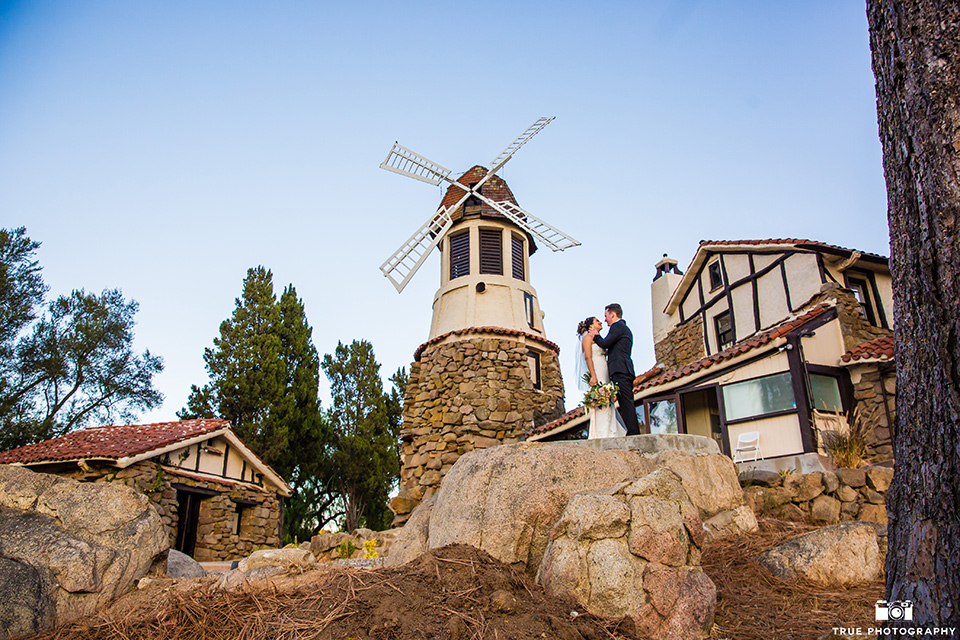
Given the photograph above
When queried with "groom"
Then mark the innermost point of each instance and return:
(618, 345)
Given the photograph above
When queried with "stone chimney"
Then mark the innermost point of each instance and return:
(664, 284)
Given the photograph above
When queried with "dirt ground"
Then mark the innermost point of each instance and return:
(461, 593)
(754, 605)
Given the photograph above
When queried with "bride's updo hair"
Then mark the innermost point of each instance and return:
(584, 326)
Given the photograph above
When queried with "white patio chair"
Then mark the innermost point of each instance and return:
(748, 447)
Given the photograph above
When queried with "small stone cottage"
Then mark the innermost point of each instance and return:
(217, 499)
(775, 342)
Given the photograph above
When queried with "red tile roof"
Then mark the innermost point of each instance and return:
(495, 330)
(655, 376)
(881, 348)
(112, 442)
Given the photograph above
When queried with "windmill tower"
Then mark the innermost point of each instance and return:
(487, 372)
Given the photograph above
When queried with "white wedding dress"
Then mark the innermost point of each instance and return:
(604, 423)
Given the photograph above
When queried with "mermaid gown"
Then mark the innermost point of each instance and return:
(604, 423)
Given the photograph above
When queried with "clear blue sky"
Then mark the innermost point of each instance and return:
(166, 147)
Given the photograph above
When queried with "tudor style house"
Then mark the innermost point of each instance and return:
(766, 346)
(216, 498)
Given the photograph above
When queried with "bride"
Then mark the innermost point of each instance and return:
(604, 423)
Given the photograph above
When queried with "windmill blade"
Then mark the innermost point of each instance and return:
(523, 139)
(407, 163)
(550, 236)
(406, 260)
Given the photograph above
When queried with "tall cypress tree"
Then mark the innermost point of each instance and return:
(248, 373)
(264, 373)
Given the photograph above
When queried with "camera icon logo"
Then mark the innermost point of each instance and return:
(894, 610)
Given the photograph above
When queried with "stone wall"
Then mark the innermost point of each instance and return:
(683, 345)
(830, 497)
(217, 537)
(875, 392)
(853, 325)
(468, 394)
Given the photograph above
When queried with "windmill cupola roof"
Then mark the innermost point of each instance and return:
(495, 189)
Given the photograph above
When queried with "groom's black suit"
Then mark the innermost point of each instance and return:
(618, 345)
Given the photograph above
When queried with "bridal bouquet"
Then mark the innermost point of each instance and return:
(600, 396)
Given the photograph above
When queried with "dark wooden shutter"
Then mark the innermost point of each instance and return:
(459, 255)
(517, 251)
(491, 251)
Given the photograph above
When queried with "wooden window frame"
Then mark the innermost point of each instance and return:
(491, 251)
(516, 252)
(717, 319)
(459, 254)
(715, 273)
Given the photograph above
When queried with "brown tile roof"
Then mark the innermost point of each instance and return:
(799, 242)
(112, 442)
(881, 348)
(576, 412)
(739, 348)
(494, 188)
(495, 330)
(655, 376)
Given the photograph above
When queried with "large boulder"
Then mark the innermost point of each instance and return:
(844, 555)
(634, 551)
(67, 548)
(506, 500)
(183, 567)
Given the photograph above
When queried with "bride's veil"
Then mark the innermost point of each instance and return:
(581, 366)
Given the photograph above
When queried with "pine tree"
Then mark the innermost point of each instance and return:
(916, 61)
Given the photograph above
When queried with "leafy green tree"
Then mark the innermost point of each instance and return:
(365, 427)
(76, 366)
(66, 365)
(21, 289)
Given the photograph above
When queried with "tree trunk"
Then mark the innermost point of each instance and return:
(916, 61)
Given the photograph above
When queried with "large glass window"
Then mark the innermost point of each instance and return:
(826, 393)
(758, 397)
(663, 417)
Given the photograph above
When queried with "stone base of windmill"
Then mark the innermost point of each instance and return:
(470, 393)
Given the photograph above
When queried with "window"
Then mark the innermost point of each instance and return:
(663, 417)
(528, 308)
(533, 361)
(724, 328)
(861, 292)
(826, 393)
(491, 251)
(716, 276)
(516, 250)
(460, 255)
(759, 397)
(243, 513)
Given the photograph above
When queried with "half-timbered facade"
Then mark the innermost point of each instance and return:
(216, 498)
(783, 338)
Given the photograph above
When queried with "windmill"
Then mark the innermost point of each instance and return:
(406, 260)
(487, 373)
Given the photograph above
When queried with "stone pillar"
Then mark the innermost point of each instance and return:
(471, 389)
